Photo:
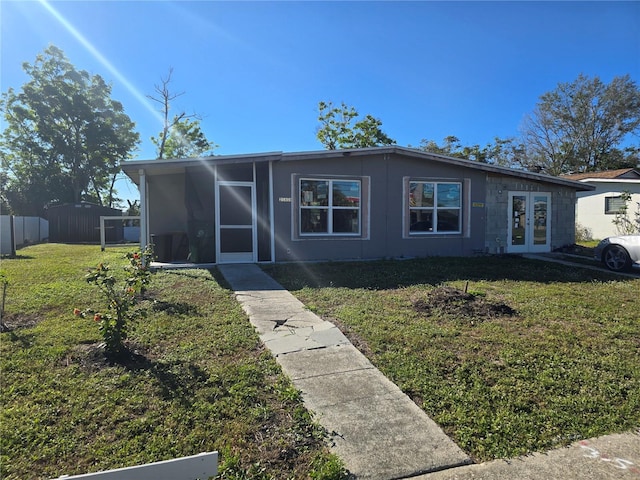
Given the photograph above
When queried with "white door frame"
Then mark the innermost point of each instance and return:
(236, 257)
(522, 230)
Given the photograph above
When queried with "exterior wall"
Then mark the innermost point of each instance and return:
(562, 211)
(385, 176)
(181, 202)
(590, 206)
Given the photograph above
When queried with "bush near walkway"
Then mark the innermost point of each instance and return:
(198, 379)
(533, 356)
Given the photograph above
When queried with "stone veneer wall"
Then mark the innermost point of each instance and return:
(563, 201)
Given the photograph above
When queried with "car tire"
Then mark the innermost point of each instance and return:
(616, 259)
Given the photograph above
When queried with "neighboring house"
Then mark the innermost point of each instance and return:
(384, 202)
(597, 209)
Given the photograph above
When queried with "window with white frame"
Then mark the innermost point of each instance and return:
(434, 207)
(330, 206)
(613, 205)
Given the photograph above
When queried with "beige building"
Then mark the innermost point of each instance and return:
(597, 209)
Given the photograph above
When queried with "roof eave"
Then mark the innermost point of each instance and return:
(133, 167)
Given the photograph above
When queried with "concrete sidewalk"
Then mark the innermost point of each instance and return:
(379, 432)
(604, 458)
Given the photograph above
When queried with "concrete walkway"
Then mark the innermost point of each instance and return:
(378, 431)
(611, 457)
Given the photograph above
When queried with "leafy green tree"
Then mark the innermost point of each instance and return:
(501, 152)
(340, 128)
(64, 136)
(181, 136)
(580, 126)
(184, 139)
(450, 146)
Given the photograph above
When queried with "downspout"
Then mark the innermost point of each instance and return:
(144, 217)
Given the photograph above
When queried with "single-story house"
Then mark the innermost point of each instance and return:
(596, 209)
(383, 202)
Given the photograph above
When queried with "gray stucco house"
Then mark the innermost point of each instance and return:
(385, 202)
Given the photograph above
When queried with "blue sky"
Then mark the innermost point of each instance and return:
(255, 71)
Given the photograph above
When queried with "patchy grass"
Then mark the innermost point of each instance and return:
(588, 243)
(533, 356)
(198, 379)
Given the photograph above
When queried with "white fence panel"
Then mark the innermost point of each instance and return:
(7, 243)
(132, 234)
(195, 467)
(129, 233)
(30, 230)
(18, 231)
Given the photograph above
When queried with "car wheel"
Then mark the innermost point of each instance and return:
(616, 258)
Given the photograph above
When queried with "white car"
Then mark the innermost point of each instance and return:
(619, 253)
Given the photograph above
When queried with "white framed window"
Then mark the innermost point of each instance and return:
(434, 207)
(329, 206)
(613, 205)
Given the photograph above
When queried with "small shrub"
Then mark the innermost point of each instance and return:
(623, 220)
(583, 234)
(121, 297)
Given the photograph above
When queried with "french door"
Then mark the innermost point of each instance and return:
(529, 222)
(236, 225)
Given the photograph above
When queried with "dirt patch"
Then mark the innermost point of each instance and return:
(93, 357)
(13, 321)
(451, 301)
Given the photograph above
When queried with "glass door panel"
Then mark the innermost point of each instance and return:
(529, 216)
(518, 220)
(540, 227)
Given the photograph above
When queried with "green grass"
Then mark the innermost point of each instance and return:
(566, 366)
(588, 243)
(200, 379)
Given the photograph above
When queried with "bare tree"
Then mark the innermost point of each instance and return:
(189, 140)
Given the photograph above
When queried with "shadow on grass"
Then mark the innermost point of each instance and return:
(16, 257)
(26, 340)
(177, 380)
(196, 273)
(392, 274)
(175, 308)
(211, 275)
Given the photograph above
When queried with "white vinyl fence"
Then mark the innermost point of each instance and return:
(18, 231)
(131, 233)
(195, 467)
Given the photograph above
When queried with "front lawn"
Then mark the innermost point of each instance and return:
(533, 356)
(198, 379)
